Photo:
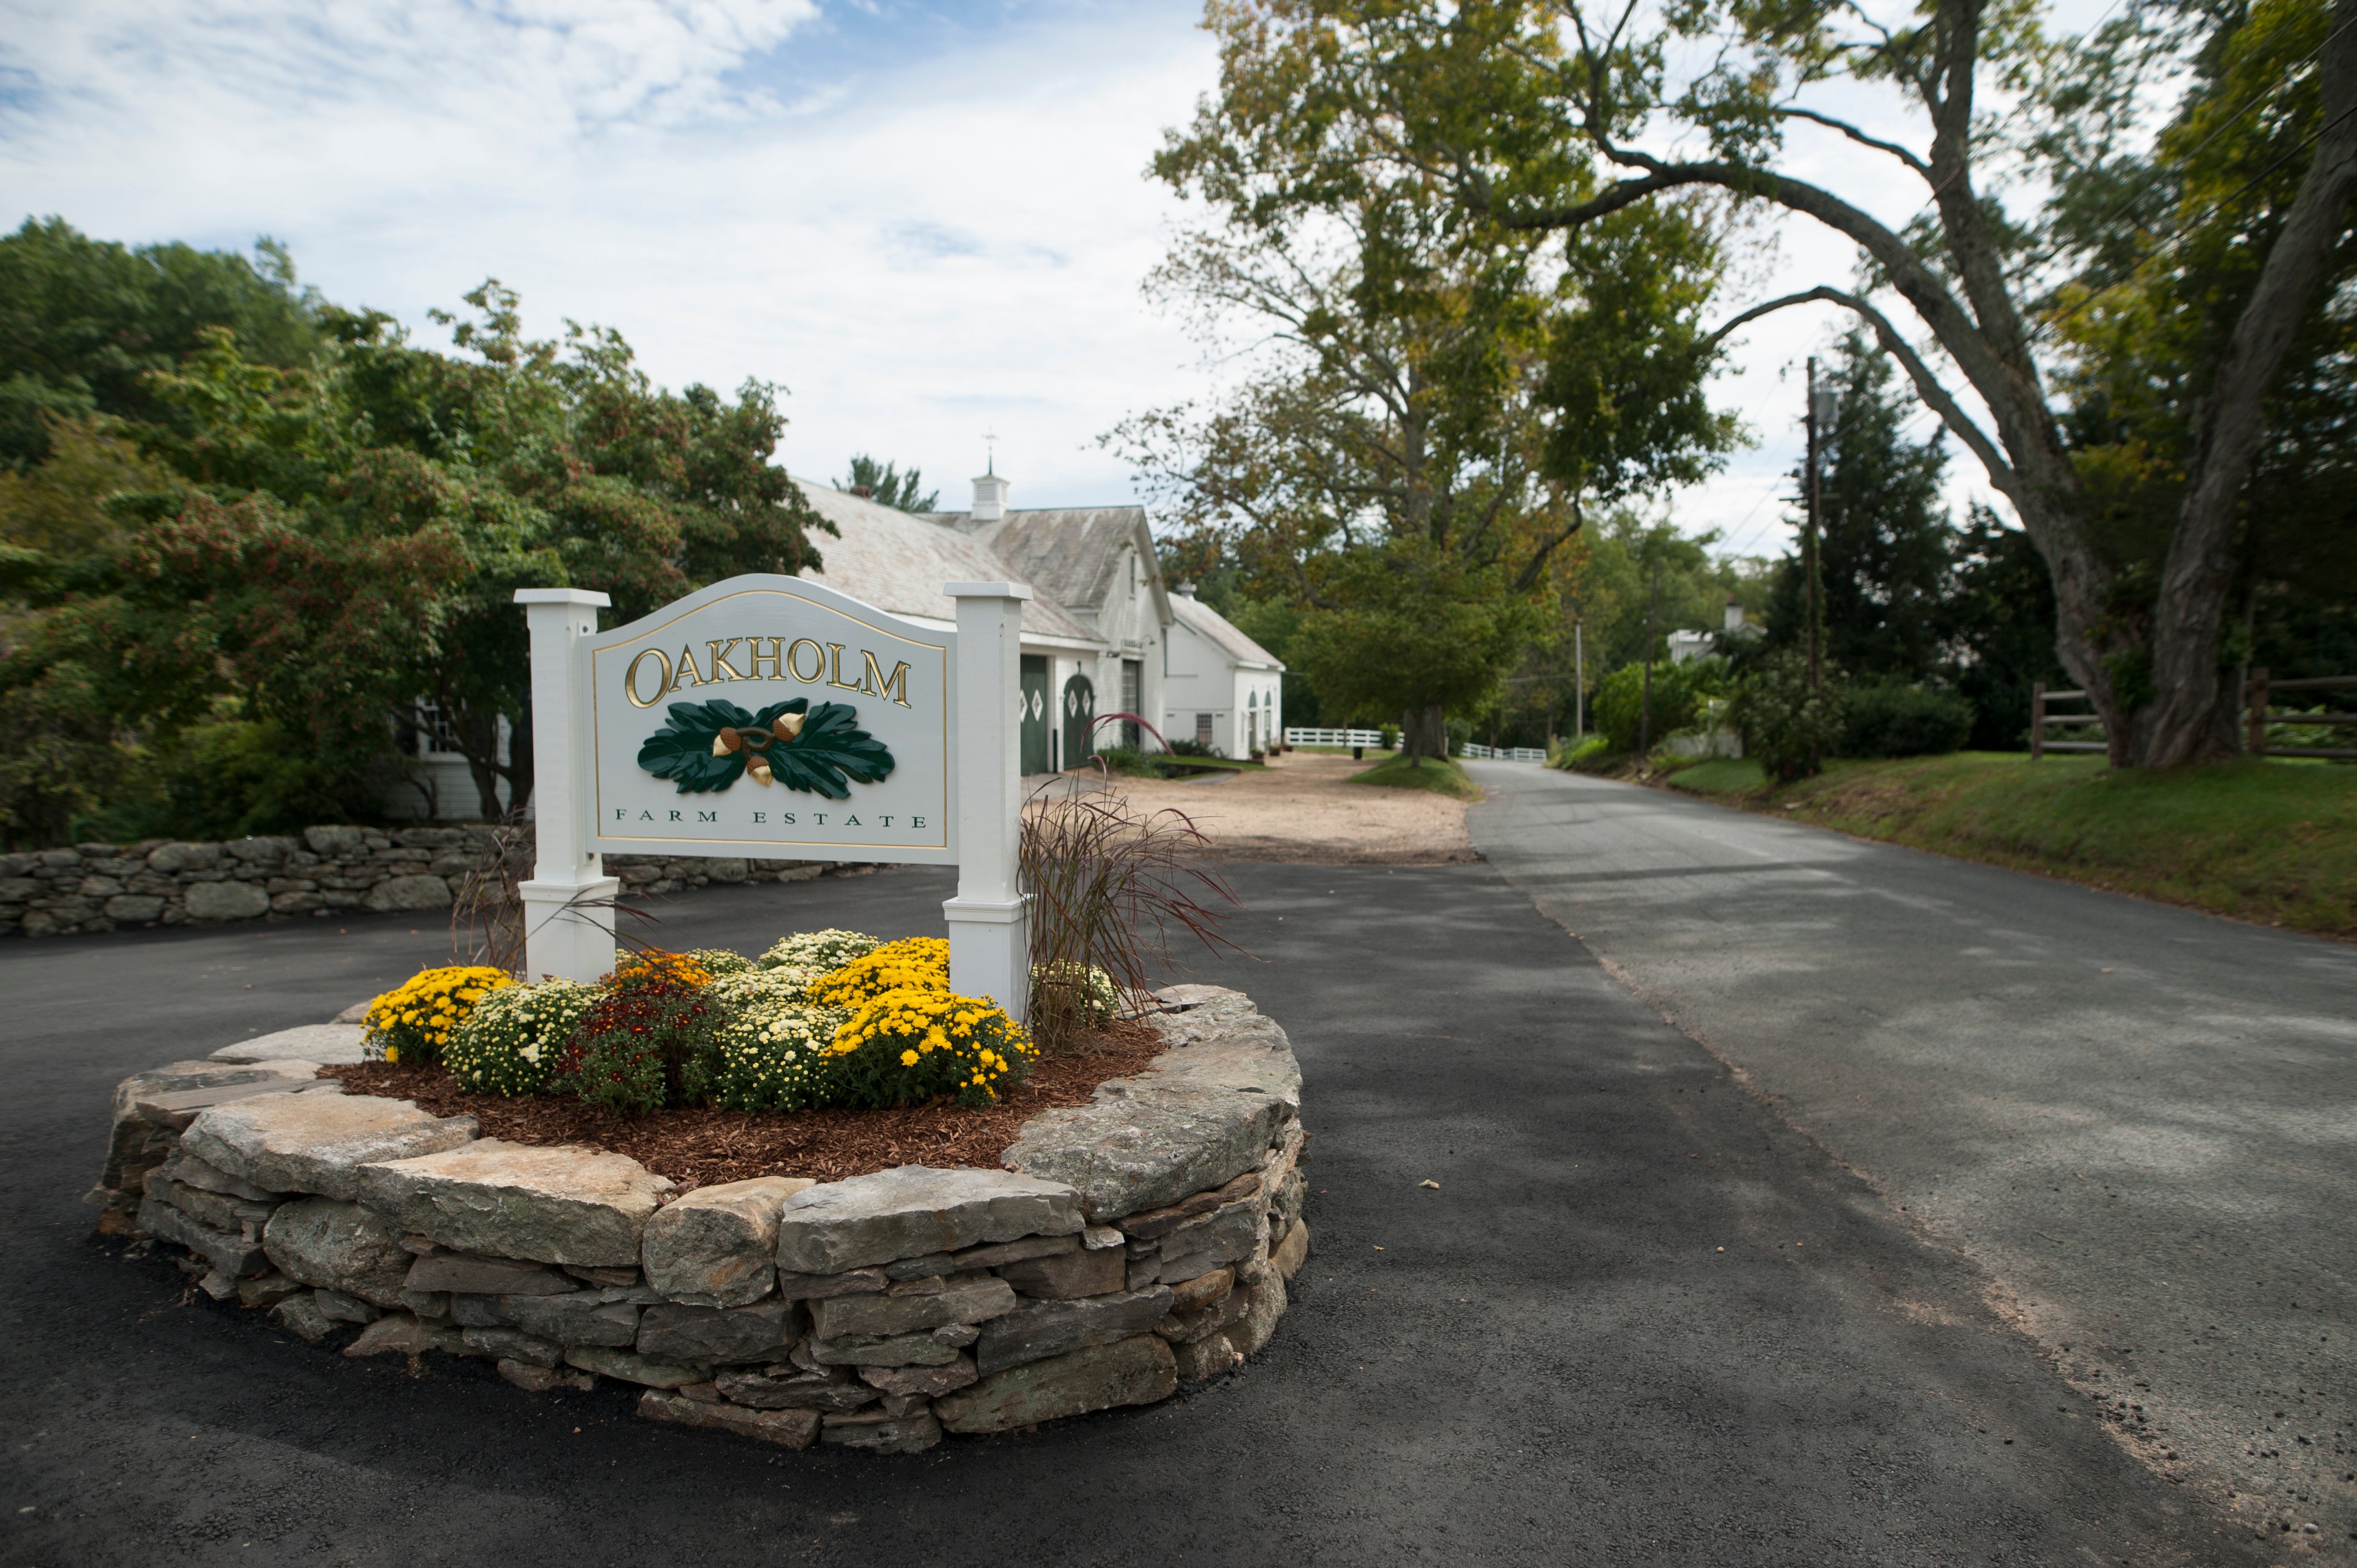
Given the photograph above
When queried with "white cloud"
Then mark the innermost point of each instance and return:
(921, 230)
(925, 221)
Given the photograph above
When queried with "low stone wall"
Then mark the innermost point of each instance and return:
(1131, 1244)
(159, 882)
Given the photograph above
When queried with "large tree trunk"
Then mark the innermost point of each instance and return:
(2150, 667)
(2191, 716)
(1423, 732)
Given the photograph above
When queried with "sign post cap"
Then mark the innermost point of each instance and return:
(562, 597)
(986, 590)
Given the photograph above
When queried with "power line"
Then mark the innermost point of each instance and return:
(2249, 103)
(2188, 226)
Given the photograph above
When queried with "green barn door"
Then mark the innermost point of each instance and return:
(1080, 707)
(1034, 698)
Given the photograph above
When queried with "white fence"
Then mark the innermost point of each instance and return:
(1333, 737)
(1374, 737)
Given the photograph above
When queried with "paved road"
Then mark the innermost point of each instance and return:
(1639, 1321)
(2138, 1121)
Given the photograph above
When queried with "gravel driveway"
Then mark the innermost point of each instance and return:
(1304, 808)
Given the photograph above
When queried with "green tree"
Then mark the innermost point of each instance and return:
(1989, 286)
(886, 486)
(1997, 624)
(2148, 328)
(83, 322)
(1429, 420)
(1886, 546)
(343, 538)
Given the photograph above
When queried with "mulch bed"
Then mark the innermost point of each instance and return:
(701, 1147)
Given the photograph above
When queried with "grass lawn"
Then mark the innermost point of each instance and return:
(1439, 774)
(2270, 841)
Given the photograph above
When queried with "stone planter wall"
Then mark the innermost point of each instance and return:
(157, 882)
(1132, 1244)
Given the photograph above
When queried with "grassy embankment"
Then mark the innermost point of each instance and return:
(1441, 775)
(2270, 841)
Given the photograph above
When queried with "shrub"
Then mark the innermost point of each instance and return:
(510, 1044)
(1783, 723)
(905, 1048)
(913, 964)
(413, 1022)
(1678, 693)
(772, 1044)
(1129, 762)
(819, 951)
(1108, 886)
(1190, 747)
(1085, 992)
(650, 1040)
(1892, 720)
(1388, 738)
(1576, 755)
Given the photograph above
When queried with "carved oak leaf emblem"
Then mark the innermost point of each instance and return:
(706, 746)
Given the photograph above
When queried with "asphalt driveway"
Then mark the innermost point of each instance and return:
(2140, 1122)
(1639, 1321)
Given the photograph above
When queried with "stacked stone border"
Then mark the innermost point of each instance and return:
(1131, 1244)
(160, 881)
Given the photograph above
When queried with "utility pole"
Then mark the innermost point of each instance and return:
(1822, 403)
(1810, 582)
(1578, 683)
(1653, 609)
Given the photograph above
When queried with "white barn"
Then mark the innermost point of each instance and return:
(1223, 688)
(1092, 636)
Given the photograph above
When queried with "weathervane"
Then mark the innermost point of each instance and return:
(990, 451)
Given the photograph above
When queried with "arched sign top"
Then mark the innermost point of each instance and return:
(773, 718)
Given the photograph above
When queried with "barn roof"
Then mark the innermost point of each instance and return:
(898, 560)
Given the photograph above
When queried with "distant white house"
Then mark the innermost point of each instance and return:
(441, 785)
(1686, 645)
(1223, 688)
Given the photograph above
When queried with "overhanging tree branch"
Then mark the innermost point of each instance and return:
(1927, 385)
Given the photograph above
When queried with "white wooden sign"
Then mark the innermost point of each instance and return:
(774, 717)
(770, 717)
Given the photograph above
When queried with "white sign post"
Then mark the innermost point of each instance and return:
(990, 939)
(773, 718)
(569, 915)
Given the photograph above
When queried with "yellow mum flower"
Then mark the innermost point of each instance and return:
(908, 1058)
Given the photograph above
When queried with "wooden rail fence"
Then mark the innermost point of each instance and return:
(2256, 718)
(2039, 718)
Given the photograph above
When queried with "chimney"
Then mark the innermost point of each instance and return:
(989, 498)
(865, 492)
(1734, 613)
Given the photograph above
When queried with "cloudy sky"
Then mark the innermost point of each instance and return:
(926, 220)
